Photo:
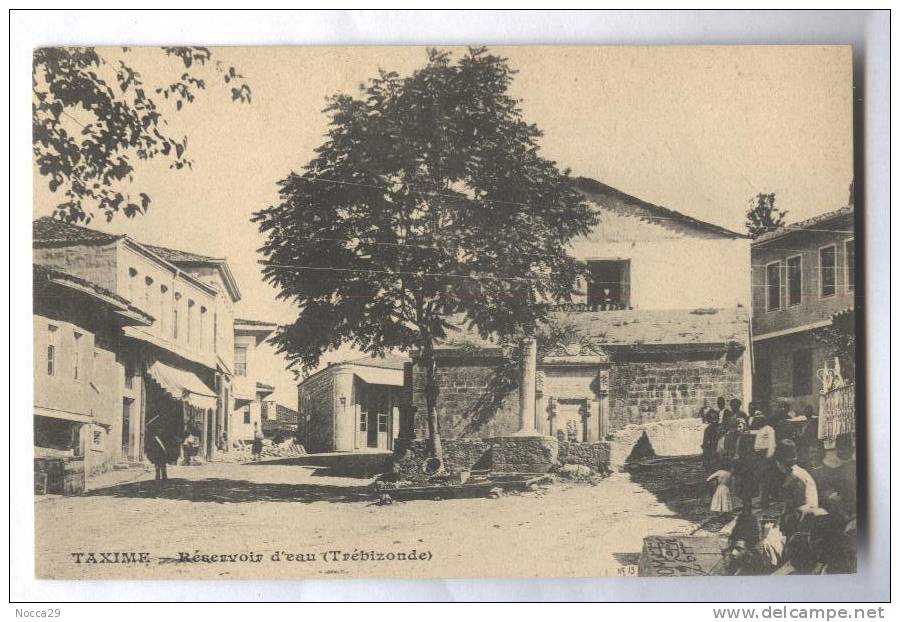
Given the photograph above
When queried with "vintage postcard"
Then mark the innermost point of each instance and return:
(310, 312)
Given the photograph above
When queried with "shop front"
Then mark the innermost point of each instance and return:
(180, 404)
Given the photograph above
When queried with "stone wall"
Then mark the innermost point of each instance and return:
(315, 400)
(524, 454)
(460, 453)
(594, 455)
(671, 385)
(508, 454)
(475, 399)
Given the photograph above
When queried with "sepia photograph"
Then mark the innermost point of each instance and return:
(446, 312)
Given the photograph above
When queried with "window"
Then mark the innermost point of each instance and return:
(202, 324)
(51, 350)
(382, 422)
(190, 308)
(240, 361)
(850, 260)
(162, 308)
(802, 372)
(363, 421)
(794, 280)
(826, 271)
(609, 286)
(51, 360)
(97, 438)
(126, 426)
(148, 294)
(246, 415)
(175, 316)
(129, 376)
(76, 368)
(773, 286)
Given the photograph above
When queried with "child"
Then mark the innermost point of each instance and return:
(722, 501)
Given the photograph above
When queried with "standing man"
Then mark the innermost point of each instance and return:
(764, 448)
(720, 410)
(257, 443)
(157, 453)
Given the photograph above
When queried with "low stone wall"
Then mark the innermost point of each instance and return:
(673, 437)
(503, 454)
(459, 453)
(524, 454)
(594, 455)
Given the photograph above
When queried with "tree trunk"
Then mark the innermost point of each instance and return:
(431, 395)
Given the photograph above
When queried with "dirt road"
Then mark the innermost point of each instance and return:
(229, 520)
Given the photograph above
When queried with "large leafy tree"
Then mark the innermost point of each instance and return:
(427, 205)
(93, 116)
(763, 216)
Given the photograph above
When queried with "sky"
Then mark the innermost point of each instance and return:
(697, 129)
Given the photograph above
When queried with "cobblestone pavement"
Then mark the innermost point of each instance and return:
(236, 509)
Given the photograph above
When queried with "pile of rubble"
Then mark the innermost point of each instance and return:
(242, 452)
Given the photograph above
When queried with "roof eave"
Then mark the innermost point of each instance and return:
(137, 246)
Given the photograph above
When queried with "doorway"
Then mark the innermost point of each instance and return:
(377, 410)
(127, 405)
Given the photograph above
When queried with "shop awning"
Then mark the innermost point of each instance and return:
(379, 375)
(183, 385)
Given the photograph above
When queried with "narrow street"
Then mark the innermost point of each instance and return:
(234, 509)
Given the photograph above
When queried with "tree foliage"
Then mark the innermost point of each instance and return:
(92, 115)
(763, 216)
(427, 205)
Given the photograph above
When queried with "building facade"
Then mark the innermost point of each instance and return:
(659, 330)
(82, 406)
(353, 406)
(250, 393)
(804, 283)
(174, 368)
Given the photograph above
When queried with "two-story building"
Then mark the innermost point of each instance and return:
(81, 409)
(250, 394)
(174, 366)
(804, 276)
(659, 330)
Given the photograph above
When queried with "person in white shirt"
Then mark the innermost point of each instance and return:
(764, 448)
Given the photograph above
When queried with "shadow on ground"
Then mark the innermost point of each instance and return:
(679, 483)
(217, 490)
(363, 465)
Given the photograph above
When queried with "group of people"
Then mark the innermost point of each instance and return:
(780, 457)
(163, 448)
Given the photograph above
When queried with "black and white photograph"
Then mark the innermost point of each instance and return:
(446, 312)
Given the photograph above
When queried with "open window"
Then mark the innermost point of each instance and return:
(609, 287)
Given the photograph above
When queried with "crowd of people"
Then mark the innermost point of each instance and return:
(763, 459)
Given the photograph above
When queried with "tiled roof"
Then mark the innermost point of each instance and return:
(42, 274)
(635, 327)
(176, 256)
(49, 230)
(260, 323)
(613, 199)
(389, 361)
(810, 223)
